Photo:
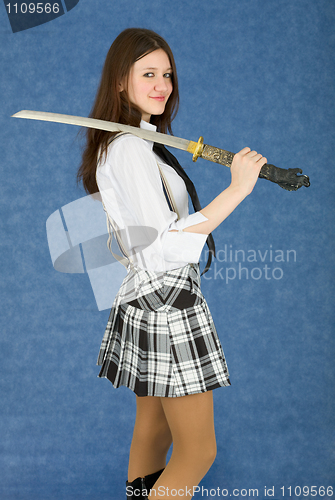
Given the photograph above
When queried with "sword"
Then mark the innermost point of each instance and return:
(286, 178)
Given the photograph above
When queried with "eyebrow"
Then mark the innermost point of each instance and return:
(143, 69)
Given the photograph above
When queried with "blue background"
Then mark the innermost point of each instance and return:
(252, 72)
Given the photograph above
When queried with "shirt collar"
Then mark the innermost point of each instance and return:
(148, 126)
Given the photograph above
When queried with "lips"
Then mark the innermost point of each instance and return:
(159, 98)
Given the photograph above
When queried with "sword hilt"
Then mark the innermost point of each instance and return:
(217, 155)
(286, 178)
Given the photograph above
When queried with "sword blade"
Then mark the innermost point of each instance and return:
(287, 179)
(150, 135)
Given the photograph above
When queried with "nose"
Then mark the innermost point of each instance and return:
(162, 84)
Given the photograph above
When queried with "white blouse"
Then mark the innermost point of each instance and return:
(132, 192)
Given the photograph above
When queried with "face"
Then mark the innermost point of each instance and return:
(150, 83)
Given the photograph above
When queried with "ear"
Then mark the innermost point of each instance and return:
(121, 87)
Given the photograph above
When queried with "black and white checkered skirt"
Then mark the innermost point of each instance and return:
(160, 338)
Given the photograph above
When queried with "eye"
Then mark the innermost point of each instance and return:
(149, 75)
(168, 75)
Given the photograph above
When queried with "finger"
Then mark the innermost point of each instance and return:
(253, 154)
(244, 151)
(259, 158)
(254, 157)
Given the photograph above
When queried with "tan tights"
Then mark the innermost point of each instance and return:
(186, 421)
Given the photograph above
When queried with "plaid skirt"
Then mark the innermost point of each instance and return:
(160, 338)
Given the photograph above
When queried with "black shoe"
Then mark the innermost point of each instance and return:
(140, 487)
(135, 489)
(150, 480)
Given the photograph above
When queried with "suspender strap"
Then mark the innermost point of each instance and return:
(171, 160)
(168, 193)
(126, 260)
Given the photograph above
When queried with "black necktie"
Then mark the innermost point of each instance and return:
(169, 159)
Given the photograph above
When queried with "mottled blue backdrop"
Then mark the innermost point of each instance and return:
(256, 73)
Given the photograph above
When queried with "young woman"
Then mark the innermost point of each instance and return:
(160, 339)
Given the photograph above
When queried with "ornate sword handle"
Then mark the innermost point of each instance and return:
(285, 178)
(217, 155)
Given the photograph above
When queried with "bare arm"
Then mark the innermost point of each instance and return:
(244, 174)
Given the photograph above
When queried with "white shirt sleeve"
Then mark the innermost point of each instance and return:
(131, 169)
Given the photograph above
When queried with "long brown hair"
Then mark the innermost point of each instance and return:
(112, 105)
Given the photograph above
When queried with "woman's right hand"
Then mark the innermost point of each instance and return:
(245, 170)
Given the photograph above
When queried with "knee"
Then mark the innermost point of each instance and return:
(208, 453)
(163, 438)
(201, 453)
(156, 432)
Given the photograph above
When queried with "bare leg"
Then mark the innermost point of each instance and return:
(191, 421)
(151, 438)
